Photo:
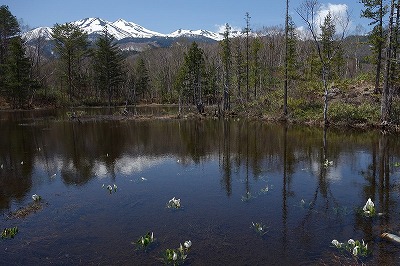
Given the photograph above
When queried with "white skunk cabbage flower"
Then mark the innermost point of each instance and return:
(187, 244)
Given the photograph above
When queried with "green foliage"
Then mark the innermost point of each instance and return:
(353, 114)
(177, 256)
(226, 56)
(108, 63)
(190, 77)
(17, 70)
(142, 78)
(332, 53)
(9, 232)
(354, 247)
(174, 203)
(9, 27)
(71, 46)
(259, 228)
(304, 110)
(15, 67)
(145, 241)
(292, 50)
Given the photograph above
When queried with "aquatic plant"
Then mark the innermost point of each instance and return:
(354, 247)
(179, 255)
(259, 228)
(111, 188)
(369, 208)
(304, 204)
(145, 241)
(174, 203)
(9, 232)
(266, 189)
(328, 163)
(247, 197)
(36, 197)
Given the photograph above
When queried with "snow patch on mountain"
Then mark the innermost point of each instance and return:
(196, 33)
(136, 30)
(122, 29)
(43, 32)
(96, 26)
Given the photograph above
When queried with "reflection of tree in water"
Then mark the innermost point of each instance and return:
(323, 201)
(226, 157)
(16, 156)
(379, 187)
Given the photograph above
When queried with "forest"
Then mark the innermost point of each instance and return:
(322, 76)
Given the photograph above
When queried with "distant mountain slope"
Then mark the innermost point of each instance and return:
(130, 36)
(122, 29)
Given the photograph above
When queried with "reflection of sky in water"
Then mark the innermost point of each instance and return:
(224, 187)
(128, 165)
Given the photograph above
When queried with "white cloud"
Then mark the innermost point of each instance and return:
(234, 29)
(339, 13)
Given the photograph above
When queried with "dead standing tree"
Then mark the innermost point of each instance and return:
(308, 11)
(390, 62)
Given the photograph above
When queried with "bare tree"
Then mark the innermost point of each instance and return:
(308, 11)
(391, 43)
(286, 59)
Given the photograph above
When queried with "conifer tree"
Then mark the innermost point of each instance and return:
(247, 31)
(256, 46)
(325, 44)
(71, 46)
(375, 10)
(239, 67)
(292, 50)
(108, 64)
(142, 77)
(190, 77)
(9, 27)
(17, 73)
(328, 31)
(227, 63)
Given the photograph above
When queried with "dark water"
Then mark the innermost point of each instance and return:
(227, 173)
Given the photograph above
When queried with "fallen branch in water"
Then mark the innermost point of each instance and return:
(25, 211)
(391, 237)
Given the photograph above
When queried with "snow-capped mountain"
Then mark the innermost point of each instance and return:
(136, 30)
(44, 32)
(196, 33)
(130, 36)
(122, 29)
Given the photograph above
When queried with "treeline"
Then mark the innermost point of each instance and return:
(273, 70)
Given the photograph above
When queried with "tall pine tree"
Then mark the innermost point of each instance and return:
(226, 55)
(17, 73)
(375, 10)
(71, 46)
(108, 64)
(9, 27)
(142, 78)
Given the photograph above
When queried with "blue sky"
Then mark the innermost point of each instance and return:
(166, 16)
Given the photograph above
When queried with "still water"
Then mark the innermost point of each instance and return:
(227, 173)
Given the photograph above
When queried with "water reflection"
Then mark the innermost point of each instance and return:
(254, 160)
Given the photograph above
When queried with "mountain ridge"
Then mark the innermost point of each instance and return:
(122, 29)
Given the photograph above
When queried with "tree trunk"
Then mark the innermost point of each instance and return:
(387, 90)
(286, 60)
(380, 47)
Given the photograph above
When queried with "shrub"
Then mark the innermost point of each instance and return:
(344, 113)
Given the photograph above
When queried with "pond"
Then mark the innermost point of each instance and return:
(302, 189)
